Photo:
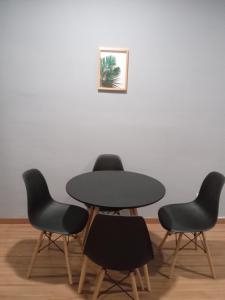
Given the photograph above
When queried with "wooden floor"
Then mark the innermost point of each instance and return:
(49, 281)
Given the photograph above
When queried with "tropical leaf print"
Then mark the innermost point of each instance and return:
(109, 72)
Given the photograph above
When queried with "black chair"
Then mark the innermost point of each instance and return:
(117, 243)
(194, 217)
(108, 162)
(50, 216)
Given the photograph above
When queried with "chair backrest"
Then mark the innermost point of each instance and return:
(209, 194)
(38, 195)
(119, 242)
(106, 162)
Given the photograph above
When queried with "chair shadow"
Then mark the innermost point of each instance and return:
(198, 259)
(50, 268)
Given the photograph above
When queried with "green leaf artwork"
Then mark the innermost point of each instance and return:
(109, 72)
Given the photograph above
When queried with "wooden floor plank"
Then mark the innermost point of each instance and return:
(49, 278)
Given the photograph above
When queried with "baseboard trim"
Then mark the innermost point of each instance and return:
(152, 220)
(221, 221)
(26, 221)
(156, 220)
(14, 221)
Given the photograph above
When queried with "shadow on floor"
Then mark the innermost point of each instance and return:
(50, 267)
(192, 263)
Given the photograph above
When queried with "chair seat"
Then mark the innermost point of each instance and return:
(185, 217)
(61, 218)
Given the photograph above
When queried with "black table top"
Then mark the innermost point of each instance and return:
(115, 189)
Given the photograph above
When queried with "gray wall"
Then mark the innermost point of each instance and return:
(169, 125)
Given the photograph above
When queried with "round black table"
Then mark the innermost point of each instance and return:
(115, 189)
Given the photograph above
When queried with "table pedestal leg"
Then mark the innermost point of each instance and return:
(133, 211)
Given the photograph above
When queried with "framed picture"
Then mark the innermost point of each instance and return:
(113, 69)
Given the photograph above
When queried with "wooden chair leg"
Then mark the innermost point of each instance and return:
(164, 239)
(87, 227)
(196, 241)
(209, 256)
(147, 279)
(67, 259)
(140, 279)
(93, 211)
(98, 285)
(82, 274)
(50, 236)
(36, 249)
(176, 239)
(133, 211)
(134, 286)
(175, 255)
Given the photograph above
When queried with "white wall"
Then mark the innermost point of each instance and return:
(170, 124)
